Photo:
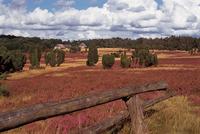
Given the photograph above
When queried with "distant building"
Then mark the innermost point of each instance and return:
(60, 46)
(83, 47)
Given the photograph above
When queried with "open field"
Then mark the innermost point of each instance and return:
(179, 69)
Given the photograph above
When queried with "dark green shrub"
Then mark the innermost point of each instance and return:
(108, 60)
(74, 49)
(5, 60)
(34, 57)
(155, 61)
(52, 61)
(3, 76)
(125, 61)
(149, 60)
(60, 57)
(55, 57)
(3, 91)
(18, 60)
(93, 57)
(47, 58)
(117, 55)
(120, 51)
(145, 57)
(142, 60)
(11, 61)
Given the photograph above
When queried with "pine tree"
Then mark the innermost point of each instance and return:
(93, 57)
(35, 56)
(60, 57)
(52, 61)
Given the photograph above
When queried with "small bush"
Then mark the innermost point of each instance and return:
(47, 58)
(155, 61)
(3, 91)
(3, 76)
(151, 59)
(125, 61)
(11, 61)
(108, 61)
(74, 49)
(55, 57)
(117, 55)
(18, 60)
(145, 58)
(52, 61)
(93, 56)
(60, 57)
(34, 57)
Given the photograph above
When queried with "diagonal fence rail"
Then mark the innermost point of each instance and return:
(20, 117)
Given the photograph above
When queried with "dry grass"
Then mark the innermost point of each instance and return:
(173, 116)
(58, 74)
(33, 73)
(163, 68)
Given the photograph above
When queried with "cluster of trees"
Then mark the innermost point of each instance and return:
(144, 58)
(140, 57)
(11, 61)
(14, 60)
(54, 57)
(24, 43)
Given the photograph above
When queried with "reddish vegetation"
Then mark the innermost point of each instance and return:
(83, 80)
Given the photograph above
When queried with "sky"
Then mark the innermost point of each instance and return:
(89, 19)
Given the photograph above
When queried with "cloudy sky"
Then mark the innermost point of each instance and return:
(88, 19)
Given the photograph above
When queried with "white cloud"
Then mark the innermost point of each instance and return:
(123, 18)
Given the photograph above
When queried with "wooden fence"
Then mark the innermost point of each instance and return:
(20, 117)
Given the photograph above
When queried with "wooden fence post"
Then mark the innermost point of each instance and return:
(135, 109)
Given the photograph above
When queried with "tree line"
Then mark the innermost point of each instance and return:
(24, 43)
(169, 43)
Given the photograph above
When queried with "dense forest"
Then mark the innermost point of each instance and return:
(24, 43)
(168, 43)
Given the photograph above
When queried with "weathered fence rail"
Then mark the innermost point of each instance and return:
(16, 118)
(116, 122)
